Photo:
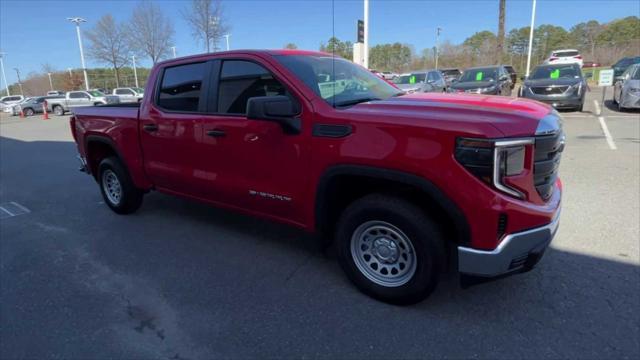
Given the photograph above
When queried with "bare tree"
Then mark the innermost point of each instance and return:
(108, 44)
(150, 31)
(291, 46)
(206, 18)
(500, 39)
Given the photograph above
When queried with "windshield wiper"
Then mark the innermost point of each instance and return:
(355, 101)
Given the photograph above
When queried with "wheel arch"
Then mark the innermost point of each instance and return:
(97, 148)
(340, 185)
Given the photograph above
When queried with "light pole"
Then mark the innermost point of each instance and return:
(366, 34)
(77, 21)
(533, 18)
(135, 73)
(173, 48)
(19, 82)
(4, 76)
(227, 37)
(438, 30)
(50, 82)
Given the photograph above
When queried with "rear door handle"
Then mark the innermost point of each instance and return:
(150, 127)
(216, 133)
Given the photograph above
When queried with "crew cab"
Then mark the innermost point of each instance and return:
(79, 98)
(407, 186)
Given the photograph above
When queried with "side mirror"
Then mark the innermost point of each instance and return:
(279, 109)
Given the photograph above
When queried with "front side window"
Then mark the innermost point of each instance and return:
(337, 81)
(96, 93)
(180, 87)
(241, 80)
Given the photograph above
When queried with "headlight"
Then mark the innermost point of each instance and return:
(577, 88)
(493, 161)
(634, 90)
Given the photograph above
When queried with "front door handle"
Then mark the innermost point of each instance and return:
(150, 127)
(216, 133)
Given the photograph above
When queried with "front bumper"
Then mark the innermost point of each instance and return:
(517, 252)
(630, 101)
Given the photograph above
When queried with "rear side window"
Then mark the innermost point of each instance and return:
(241, 80)
(77, 95)
(180, 87)
(124, 92)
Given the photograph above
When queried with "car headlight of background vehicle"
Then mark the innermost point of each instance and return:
(577, 88)
(494, 161)
(486, 89)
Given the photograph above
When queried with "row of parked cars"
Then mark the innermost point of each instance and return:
(558, 81)
(60, 102)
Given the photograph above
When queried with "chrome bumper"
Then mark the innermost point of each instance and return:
(516, 252)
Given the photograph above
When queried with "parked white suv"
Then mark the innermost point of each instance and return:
(129, 94)
(7, 102)
(566, 56)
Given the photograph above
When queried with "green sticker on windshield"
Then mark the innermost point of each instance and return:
(412, 79)
(555, 74)
(479, 75)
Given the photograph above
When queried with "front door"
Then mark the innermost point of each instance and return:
(169, 128)
(252, 164)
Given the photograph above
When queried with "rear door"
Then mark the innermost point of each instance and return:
(252, 164)
(170, 128)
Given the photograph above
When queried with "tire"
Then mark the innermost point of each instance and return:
(117, 188)
(58, 110)
(579, 108)
(402, 234)
(29, 112)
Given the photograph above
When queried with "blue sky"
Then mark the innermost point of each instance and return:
(36, 32)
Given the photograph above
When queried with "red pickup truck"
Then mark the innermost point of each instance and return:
(407, 185)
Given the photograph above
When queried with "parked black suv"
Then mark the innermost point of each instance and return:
(562, 86)
(488, 80)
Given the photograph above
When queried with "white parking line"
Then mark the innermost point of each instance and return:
(598, 110)
(607, 134)
(11, 209)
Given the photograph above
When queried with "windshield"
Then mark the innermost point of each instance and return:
(555, 72)
(96, 93)
(565, 53)
(339, 82)
(481, 74)
(635, 73)
(410, 78)
(626, 62)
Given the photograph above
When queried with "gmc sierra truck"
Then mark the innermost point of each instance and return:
(407, 186)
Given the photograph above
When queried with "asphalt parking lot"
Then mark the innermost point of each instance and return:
(181, 280)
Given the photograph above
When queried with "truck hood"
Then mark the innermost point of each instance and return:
(482, 114)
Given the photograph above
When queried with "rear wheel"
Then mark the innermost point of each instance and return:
(390, 249)
(58, 110)
(29, 112)
(117, 188)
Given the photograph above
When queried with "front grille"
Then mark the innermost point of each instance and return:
(549, 90)
(548, 150)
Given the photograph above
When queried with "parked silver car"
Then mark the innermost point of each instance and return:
(422, 81)
(80, 98)
(33, 105)
(626, 91)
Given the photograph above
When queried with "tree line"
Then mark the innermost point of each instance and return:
(604, 43)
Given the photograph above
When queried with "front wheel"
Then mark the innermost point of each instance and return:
(29, 112)
(118, 190)
(390, 249)
(58, 110)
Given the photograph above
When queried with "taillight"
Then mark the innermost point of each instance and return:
(578, 57)
(493, 161)
(553, 58)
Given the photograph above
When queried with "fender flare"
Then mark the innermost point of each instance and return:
(453, 212)
(104, 140)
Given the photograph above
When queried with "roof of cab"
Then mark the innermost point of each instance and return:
(248, 52)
